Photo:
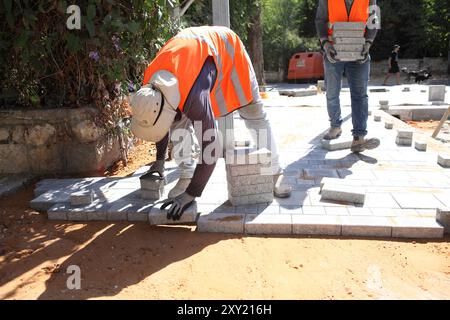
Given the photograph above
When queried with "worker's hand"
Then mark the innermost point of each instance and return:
(177, 206)
(330, 51)
(365, 51)
(157, 167)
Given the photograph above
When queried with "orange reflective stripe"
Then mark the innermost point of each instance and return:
(337, 12)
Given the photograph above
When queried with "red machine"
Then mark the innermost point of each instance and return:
(305, 66)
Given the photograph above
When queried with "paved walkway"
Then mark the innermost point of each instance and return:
(404, 187)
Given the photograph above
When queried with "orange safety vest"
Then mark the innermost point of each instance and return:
(337, 12)
(185, 54)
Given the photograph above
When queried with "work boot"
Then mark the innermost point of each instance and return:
(360, 144)
(333, 133)
(280, 190)
(179, 188)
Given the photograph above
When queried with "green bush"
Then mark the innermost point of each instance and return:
(43, 64)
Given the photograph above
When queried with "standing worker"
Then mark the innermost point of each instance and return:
(393, 65)
(357, 72)
(202, 73)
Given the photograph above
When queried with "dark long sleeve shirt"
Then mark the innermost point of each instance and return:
(198, 108)
(322, 20)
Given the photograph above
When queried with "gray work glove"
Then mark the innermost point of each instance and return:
(365, 51)
(177, 206)
(330, 51)
(157, 167)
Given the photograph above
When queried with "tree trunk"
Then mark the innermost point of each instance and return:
(255, 40)
(448, 58)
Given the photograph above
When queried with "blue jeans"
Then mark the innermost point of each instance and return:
(358, 77)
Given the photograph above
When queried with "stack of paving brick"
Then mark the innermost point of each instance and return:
(404, 137)
(152, 186)
(249, 177)
(348, 38)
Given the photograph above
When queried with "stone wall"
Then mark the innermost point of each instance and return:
(56, 141)
(437, 66)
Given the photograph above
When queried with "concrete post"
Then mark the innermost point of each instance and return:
(221, 17)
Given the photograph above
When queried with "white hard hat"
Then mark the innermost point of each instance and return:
(154, 107)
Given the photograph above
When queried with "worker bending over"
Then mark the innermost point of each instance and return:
(201, 74)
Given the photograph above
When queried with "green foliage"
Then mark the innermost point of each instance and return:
(47, 65)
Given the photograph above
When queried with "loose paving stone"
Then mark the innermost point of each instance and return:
(444, 160)
(416, 200)
(384, 102)
(268, 224)
(405, 133)
(343, 193)
(12, 183)
(55, 214)
(251, 199)
(443, 217)
(248, 156)
(403, 142)
(81, 198)
(376, 118)
(316, 225)
(348, 47)
(72, 214)
(408, 227)
(436, 93)
(245, 170)
(244, 190)
(366, 226)
(150, 181)
(156, 216)
(250, 180)
(319, 173)
(221, 222)
(350, 40)
(152, 194)
(421, 145)
(337, 144)
(389, 125)
(337, 26)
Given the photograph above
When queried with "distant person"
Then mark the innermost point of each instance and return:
(357, 72)
(393, 65)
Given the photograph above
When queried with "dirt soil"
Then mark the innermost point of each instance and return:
(137, 261)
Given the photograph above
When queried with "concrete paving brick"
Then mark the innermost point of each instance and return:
(291, 210)
(337, 211)
(151, 182)
(54, 214)
(249, 156)
(384, 212)
(268, 224)
(251, 199)
(356, 174)
(243, 190)
(443, 197)
(403, 142)
(156, 216)
(348, 33)
(348, 47)
(248, 209)
(316, 210)
(444, 160)
(245, 170)
(416, 200)
(249, 180)
(405, 133)
(443, 217)
(380, 200)
(421, 145)
(384, 102)
(337, 26)
(388, 125)
(350, 40)
(366, 226)
(409, 227)
(376, 118)
(343, 193)
(117, 216)
(359, 211)
(349, 56)
(80, 198)
(426, 213)
(49, 198)
(336, 144)
(316, 225)
(151, 194)
(221, 222)
(319, 173)
(268, 209)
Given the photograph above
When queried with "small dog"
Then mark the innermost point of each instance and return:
(419, 76)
